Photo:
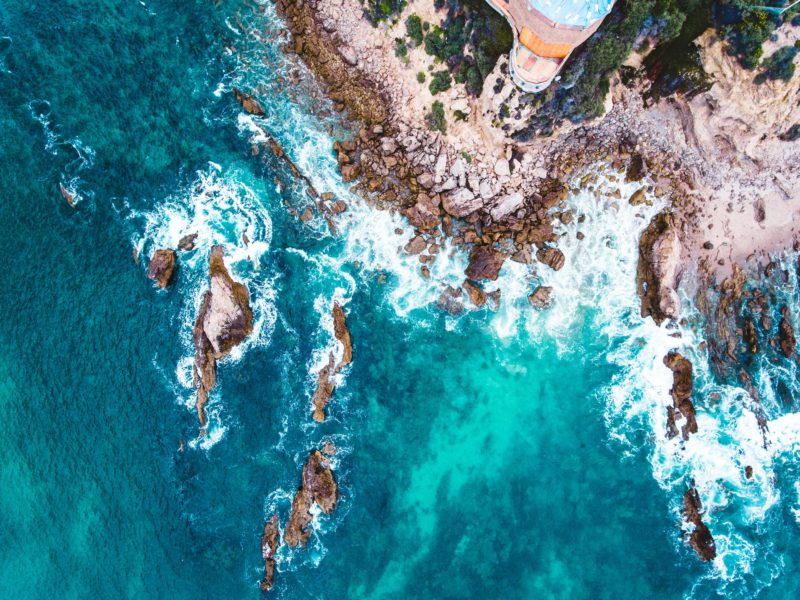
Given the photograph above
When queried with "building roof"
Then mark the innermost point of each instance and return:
(579, 13)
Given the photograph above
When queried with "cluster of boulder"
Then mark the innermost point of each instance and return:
(700, 537)
(325, 377)
(317, 487)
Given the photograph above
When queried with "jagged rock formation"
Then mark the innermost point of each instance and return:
(552, 257)
(476, 294)
(318, 486)
(325, 377)
(699, 537)
(249, 103)
(161, 267)
(451, 300)
(681, 392)
(269, 545)
(658, 270)
(223, 322)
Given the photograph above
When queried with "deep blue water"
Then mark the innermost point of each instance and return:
(505, 454)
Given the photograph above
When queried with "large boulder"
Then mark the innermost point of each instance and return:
(541, 298)
(342, 334)
(700, 537)
(186, 243)
(451, 300)
(324, 391)
(223, 322)
(161, 267)
(476, 294)
(681, 392)
(658, 270)
(484, 263)
(269, 545)
(506, 205)
(552, 257)
(318, 486)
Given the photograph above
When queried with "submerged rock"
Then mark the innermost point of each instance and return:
(249, 104)
(223, 322)
(67, 195)
(318, 486)
(484, 263)
(658, 273)
(161, 267)
(451, 300)
(749, 335)
(269, 545)
(681, 392)
(700, 537)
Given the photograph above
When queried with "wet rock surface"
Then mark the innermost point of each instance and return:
(700, 537)
(162, 267)
(681, 392)
(318, 486)
(541, 298)
(658, 269)
(786, 335)
(325, 378)
(186, 243)
(223, 322)
(249, 104)
(484, 263)
(269, 545)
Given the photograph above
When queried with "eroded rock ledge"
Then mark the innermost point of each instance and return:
(223, 322)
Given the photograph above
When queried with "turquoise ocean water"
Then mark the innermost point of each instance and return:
(510, 453)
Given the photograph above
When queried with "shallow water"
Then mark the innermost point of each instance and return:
(510, 453)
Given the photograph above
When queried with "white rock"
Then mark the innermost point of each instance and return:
(458, 168)
(539, 173)
(449, 184)
(461, 104)
(501, 168)
(461, 202)
(506, 205)
(349, 55)
(441, 165)
(485, 189)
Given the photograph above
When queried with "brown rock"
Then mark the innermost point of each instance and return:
(681, 392)
(748, 472)
(552, 257)
(658, 269)
(342, 334)
(223, 322)
(638, 198)
(318, 485)
(269, 545)
(249, 103)
(186, 243)
(786, 336)
(416, 245)
(67, 195)
(161, 267)
(700, 537)
(476, 295)
(541, 297)
(484, 263)
(749, 335)
(324, 391)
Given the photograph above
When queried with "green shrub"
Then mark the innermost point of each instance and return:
(381, 10)
(780, 65)
(421, 76)
(435, 119)
(414, 29)
(400, 48)
(440, 82)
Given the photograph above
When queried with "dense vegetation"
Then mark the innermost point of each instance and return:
(435, 119)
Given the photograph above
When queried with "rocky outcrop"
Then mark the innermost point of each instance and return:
(700, 537)
(325, 377)
(786, 337)
(658, 270)
(476, 294)
(484, 263)
(541, 298)
(318, 487)
(342, 333)
(249, 104)
(161, 267)
(750, 335)
(223, 322)
(67, 195)
(451, 300)
(186, 243)
(269, 545)
(681, 392)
